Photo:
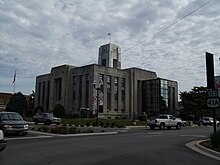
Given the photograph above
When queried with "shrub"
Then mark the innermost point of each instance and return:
(78, 130)
(54, 129)
(215, 139)
(112, 125)
(45, 128)
(63, 129)
(72, 129)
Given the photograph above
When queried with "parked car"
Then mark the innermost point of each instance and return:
(2, 141)
(209, 121)
(46, 118)
(12, 122)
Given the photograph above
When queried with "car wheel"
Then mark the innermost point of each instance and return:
(162, 126)
(178, 126)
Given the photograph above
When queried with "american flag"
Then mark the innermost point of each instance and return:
(14, 78)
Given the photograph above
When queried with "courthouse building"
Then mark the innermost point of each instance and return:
(122, 93)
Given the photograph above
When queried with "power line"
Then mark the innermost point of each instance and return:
(175, 22)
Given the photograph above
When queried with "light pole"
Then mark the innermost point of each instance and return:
(97, 88)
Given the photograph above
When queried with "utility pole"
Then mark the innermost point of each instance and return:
(211, 82)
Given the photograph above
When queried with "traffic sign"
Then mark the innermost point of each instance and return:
(213, 93)
(213, 102)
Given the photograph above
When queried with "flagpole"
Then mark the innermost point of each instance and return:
(109, 34)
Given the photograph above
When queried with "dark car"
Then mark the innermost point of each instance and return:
(12, 122)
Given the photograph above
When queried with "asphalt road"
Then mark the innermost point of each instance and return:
(135, 147)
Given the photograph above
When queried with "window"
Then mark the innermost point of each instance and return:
(87, 90)
(123, 94)
(43, 97)
(115, 63)
(80, 89)
(164, 96)
(48, 94)
(109, 92)
(74, 88)
(58, 88)
(103, 62)
(116, 94)
(39, 93)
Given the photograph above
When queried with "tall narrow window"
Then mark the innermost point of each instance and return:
(39, 93)
(74, 88)
(48, 94)
(103, 62)
(115, 63)
(58, 86)
(43, 97)
(116, 94)
(80, 89)
(101, 91)
(123, 94)
(109, 93)
(87, 90)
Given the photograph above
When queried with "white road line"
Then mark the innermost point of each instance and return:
(193, 136)
(155, 133)
(24, 138)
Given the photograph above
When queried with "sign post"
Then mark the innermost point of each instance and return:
(211, 84)
(213, 102)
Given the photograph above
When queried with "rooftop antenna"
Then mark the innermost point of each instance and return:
(110, 35)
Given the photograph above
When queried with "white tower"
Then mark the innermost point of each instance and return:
(110, 56)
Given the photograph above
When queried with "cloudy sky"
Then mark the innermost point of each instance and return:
(169, 37)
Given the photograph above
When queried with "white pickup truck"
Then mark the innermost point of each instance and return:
(163, 121)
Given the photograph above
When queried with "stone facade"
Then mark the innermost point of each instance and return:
(120, 93)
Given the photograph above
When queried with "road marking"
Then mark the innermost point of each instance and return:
(155, 133)
(24, 138)
(193, 136)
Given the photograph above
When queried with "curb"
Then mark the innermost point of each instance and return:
(210, 151)
(195, 145)
(130, 127)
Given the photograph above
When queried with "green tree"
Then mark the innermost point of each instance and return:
(17, 103)
(194, 103)
(59, 111)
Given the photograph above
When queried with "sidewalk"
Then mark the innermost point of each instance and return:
(195, 145)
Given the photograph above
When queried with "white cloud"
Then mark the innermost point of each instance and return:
(37, 35)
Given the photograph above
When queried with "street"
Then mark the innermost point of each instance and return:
(137, 146)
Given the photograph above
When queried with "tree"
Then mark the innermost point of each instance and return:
(59, 111)
(17, 103)
(194, 103)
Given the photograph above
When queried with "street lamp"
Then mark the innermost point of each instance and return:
(97, 88)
